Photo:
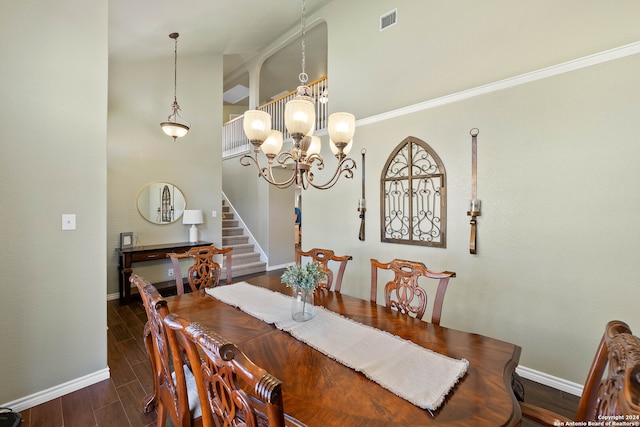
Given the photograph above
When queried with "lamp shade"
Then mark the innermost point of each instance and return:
(299, 116)
(342, 126)
(314, 146)
(174, 129)
(272, 145)
(256, 125)
(193, 216)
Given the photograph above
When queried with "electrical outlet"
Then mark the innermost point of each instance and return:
(170, 272)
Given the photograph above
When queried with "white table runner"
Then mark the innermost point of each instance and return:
(414, 373)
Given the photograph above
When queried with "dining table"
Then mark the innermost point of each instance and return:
(320, 391)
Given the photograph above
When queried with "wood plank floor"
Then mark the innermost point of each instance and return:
(117, 401)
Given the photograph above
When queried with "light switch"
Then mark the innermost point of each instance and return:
(68, 221)
(214, 214)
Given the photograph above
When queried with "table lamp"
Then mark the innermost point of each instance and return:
(192, 217)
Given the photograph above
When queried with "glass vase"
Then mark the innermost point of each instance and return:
(302, 308)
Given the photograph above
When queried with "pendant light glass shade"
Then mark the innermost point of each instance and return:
(256, 125)
(314, 146)
(174, 130)
(299, 116)
(342, 126)
(272, 145)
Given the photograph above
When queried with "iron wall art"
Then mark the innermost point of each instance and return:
(413, 197)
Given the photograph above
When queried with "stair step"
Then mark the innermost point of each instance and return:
(245, 269)
(241, 248)
(234, 240)
(244, 258)
(229, 223)
(232, 231)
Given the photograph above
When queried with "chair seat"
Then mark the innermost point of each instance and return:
(192, 392)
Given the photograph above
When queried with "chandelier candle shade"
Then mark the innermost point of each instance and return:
(192, 217)
(175, 126)
(299, 120)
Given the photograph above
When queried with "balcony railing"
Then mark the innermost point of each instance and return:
(235, 142)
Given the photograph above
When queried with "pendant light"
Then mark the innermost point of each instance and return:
(175, 126)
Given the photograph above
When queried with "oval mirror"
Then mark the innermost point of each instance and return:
(161, 203)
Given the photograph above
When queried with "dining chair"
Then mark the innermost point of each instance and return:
(605, 397)
(323, 257)
(233, 390)
(403, 292)
(174, 387)
(205, 271)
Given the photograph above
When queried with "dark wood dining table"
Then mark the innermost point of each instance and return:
(321, 392)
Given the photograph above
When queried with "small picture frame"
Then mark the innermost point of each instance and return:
(126, 240)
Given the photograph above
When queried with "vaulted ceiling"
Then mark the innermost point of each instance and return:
(238, 29)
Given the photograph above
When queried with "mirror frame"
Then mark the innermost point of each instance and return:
(151, 206)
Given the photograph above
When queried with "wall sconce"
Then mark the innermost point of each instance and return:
(192, 217)
(474, 204)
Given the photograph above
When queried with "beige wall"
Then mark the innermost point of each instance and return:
(438, 48)
(557, 159)
(557, 238)
(52, 161)
(140, 95)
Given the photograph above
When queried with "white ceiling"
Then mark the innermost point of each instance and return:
(236, 28)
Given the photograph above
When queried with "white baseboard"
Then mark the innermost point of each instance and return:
(57, 391)
(278, 267)
(550, 380)
(111, 297)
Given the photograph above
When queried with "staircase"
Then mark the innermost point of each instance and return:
(244, 259)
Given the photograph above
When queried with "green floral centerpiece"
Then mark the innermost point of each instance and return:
(303, 279)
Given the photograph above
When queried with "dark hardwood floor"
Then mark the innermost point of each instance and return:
(117, 401)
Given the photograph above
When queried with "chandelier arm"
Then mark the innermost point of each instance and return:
(345, 168)
(315, 158)
(266, 172)
(283, 157)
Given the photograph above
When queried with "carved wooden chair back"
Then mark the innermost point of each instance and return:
(171, 389)
(324, 257)
(614, 396)
(205, 271)
(403, 292)
(232, 389)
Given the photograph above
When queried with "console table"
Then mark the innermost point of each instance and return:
(143, 254)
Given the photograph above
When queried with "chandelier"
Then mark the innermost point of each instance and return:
(299, 118)
(175, 126)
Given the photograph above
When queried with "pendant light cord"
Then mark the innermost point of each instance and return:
(303, 77)
(175, 69)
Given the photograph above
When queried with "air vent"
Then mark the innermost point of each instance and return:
(388, 19)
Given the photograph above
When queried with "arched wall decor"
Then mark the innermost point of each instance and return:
(413, 197)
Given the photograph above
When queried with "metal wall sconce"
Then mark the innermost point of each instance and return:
(474, 204)
(362, 203)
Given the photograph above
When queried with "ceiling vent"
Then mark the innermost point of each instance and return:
(388, 19)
